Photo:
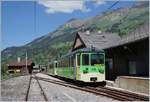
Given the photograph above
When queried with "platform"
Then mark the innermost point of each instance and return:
(135, 84)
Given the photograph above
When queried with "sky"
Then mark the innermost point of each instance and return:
(24, 21)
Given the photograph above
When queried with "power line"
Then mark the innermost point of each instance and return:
(106, 10)
(114, 4)
(34, 16)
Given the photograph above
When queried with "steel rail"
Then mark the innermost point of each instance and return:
(27, 93)
(118, 95)
(28, 90)
(128, 94)
(43, 93)
(84, 89)
(81, 88)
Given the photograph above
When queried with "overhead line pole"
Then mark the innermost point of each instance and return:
(26, 61)
(35, 16)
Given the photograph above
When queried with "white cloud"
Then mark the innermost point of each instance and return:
(66, 6)
(100, 2)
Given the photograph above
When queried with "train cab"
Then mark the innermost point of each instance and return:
(90, 66)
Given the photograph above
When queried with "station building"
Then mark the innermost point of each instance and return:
(20, 67)
(126, 56)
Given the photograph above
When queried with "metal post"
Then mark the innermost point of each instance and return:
(26, 61)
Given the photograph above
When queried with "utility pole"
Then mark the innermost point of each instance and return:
(26, 61)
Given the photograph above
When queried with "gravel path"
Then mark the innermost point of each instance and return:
(14, 89)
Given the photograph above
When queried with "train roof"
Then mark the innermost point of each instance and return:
(88, 50)
(92, 49)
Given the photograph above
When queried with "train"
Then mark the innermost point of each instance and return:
(86, 65)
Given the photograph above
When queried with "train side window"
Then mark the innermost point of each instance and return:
(72, 61)
(78, 60)
(85, 59)
(59, 64)
(68, 62)
(11, 71)
(56, 64)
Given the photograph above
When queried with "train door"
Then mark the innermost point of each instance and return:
(77, 66)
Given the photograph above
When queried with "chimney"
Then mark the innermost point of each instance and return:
(18, 59)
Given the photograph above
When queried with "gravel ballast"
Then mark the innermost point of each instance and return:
(55, 92)
(14, 89)
(35, 93)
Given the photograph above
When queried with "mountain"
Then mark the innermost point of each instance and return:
(59, 42)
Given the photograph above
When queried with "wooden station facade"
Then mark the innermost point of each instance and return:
(125, 56)
(20, 67)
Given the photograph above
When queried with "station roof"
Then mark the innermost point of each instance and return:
(107, 40)
(21, 63)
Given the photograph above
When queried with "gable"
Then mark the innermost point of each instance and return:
(78, 43)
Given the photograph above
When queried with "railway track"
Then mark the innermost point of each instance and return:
(123, 93)
(120, 95)
(41, 89)
(27, 93)
(104, 91)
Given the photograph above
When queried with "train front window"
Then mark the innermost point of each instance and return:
(85, 59)
(97, 59)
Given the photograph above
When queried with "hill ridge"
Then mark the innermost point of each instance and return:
(58, 42)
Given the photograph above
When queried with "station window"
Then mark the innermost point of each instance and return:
(109, 63)
(85, 59)
(132, 67)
